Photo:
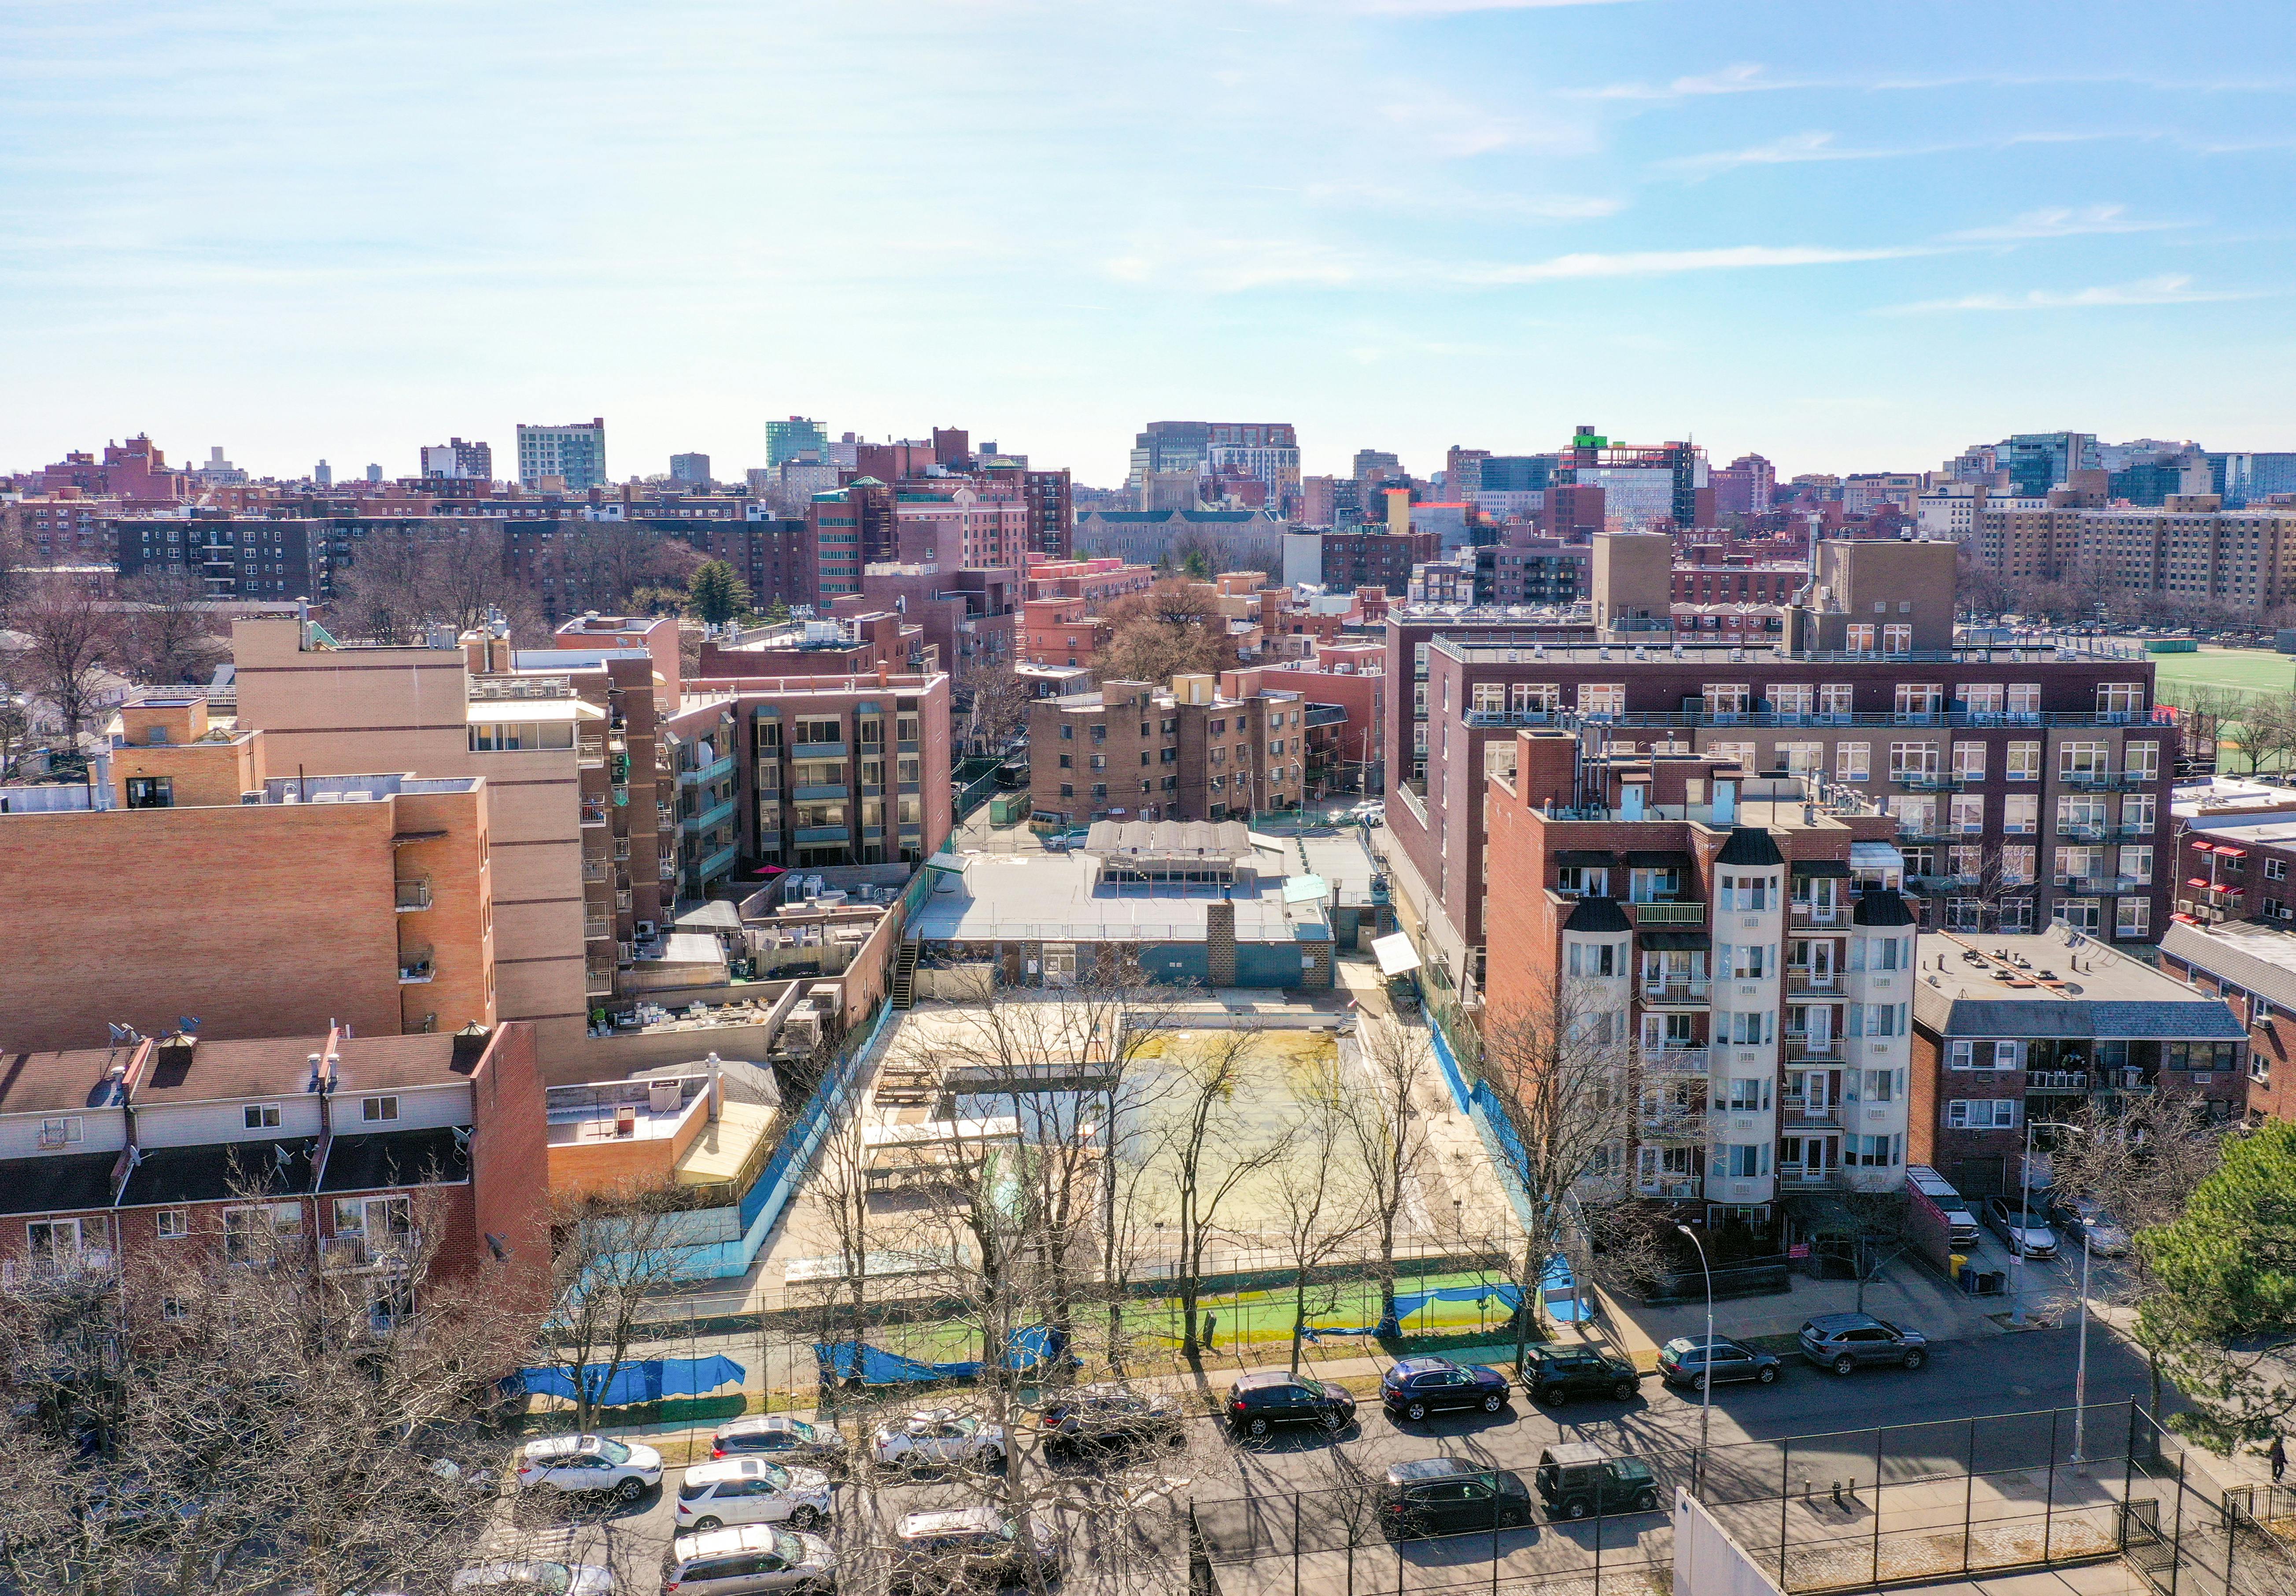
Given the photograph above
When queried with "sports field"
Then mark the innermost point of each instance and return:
(2240, 670)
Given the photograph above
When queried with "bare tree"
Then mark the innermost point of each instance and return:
(166, 630)
(1318, 1196)
(67, 646)
(1214, 1151)
(1386, 1131)
(2140, 1160)
(257, 1414)
(996, 702)
(1558, 1069)
(610, 1253)
(402, 581)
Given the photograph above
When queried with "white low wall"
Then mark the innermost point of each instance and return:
(1708, 1560)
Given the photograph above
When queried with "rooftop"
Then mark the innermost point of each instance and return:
(2054, 983)
(2279, 831)
(2259, 957)
(2203, 798)
(1027, 897)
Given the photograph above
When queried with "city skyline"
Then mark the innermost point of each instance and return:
(1399, 225)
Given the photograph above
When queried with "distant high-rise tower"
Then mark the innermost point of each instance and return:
(324, 474)
(575, 453)
(374, 473)
(458, 460)
(785, 441)
(690, 471)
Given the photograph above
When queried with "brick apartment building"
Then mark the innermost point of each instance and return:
(2229, 870)
(378, 1154)
(2012, 1028)
(1375, 559)
(289, 902)
(2030, 783)
(1134, 751)
(843, 770)
(2252, 969)
(1738, 942)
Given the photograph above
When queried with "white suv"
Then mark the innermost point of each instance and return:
(588, 1464)
(751, 1491)
(939, 1436)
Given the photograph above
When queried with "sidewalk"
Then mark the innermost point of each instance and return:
(1906, 1294)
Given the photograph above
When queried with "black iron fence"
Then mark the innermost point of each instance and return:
(2188, 1535)
(1822, 1512)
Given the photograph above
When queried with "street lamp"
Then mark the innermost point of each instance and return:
(1706, 1364)
(2079, 1458)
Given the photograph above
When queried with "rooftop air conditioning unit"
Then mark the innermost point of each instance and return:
(646, 928)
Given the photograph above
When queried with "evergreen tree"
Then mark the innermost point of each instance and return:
(2225, 1312)
(716, 595)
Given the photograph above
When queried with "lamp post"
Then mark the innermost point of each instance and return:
(2079, 1458)
(1706, 1364)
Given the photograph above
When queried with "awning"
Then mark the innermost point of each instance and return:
(2229, 852)
(1875, 856)
(1647, 860)
(2204, 847)
(1585, 856)
(1820, 867)
(2199, 881)
(1677, 942)
(1396, 955)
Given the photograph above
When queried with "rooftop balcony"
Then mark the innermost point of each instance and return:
(397, 1250)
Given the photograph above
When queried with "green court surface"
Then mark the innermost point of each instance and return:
(2240, 669)
(1266, 1315)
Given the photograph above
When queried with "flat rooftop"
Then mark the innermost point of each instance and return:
(2056, 982)
(2261, 958)
(1031, 897)
(2277, 831)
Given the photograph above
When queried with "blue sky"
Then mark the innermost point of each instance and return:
(1850, 237)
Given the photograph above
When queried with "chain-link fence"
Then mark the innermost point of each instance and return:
(1822, 1512)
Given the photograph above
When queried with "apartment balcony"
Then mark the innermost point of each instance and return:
(1797, 1177)
(416, 968)
(819, 751)
(2084, 831)
(623, 901)
(668, 867)
(1799, 978)
(1685, 1060)
(823, 833)
(1924, 831)
(2101, 886)
(821, 792)
(717, 864)
(1801, 1113)
(598, 982)
(590, 755)
(2110, 781)
(1799, 1048)
(1672, 1123)
(1668, 914)
(594, 812)
(597, 928)
(89, 1266)
(1927, 884)
(377, 1254)
(621, 851)
(1933, 781)
(594, 870)
(2056, 1080)
(703, 820)
(1685, 1189)
(411, 896)
(1808, 915)
(1686, 994)
(702, 775)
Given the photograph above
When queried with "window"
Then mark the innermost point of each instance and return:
(1877, 1019)
(151, 792)
(1860, 639)
(1749, 1094)
(1593, 958)
(1920, 697)
(173, 1224)
(1789, 699)
(1490, 698)
(261, 1117)
(1748, 961)
(62, 1131)
(1982, 1113)
(2025, 698)
(1896, 638)
(1911, 760)
(2274, 869)
(1835, 697)
(2141, 761)
(375, 1109)
(2136, 813)
(2137, 864)
(1873, 1152)
(2132, 917)
(1746, 894)
(1746, 1162)
(2021, 814)
(2082, 914)
(1609, 698)
(378, 1219)
(2024, 763)
(2017, 864)
(1967, 810)
(251, 1235)
(1751, 1028)
(1960, 1054)
(1725, 697)
(2119, 697)
(1850, 760)
(1980, 697)
(1581, 880)
(2083, 760)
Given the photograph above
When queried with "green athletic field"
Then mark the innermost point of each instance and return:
(2240, 670)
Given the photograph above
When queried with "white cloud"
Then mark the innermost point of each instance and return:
(1644, 263)
(2173, 289)
(1745, 78)
(1792, 150)
(1441, 8)
(2065, 221)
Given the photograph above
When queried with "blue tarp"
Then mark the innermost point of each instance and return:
(1028, 1350)
(651, 1381)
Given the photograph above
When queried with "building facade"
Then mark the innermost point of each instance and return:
(574, 455)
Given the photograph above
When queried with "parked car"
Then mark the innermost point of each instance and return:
(1578, 1479)
(1449, 1496)
(939, 1436)
(1843, 1342)
(551, 1579)
(751, 1491)
(971, 1546)
(1683, 1361)
(1109, 1416)
(2085, 1218)
(471, 1480)
(2020, 1229)
(589, 1464)
(782, 1438)
(755, 1560)
(1258, 1404)
(1556, 1374)
(1415, 1387)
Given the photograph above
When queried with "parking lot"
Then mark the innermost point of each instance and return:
(1126, 1518)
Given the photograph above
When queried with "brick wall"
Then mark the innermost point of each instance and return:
(510, 1161)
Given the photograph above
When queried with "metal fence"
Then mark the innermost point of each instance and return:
(2186, 1534)
(1824, 1512)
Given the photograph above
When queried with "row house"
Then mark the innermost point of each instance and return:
(1734, 947)
(375, 1155)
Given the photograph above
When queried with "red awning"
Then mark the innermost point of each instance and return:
(2199, 847)
(2229, 852)
(2201, 881)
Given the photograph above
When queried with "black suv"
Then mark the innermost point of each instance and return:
(1449, 1496)
(1580, 1480)
(1841, 1342)
(1110, 1416)
(1415, 1387)
(1556, 1374)
(1259, 1402)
